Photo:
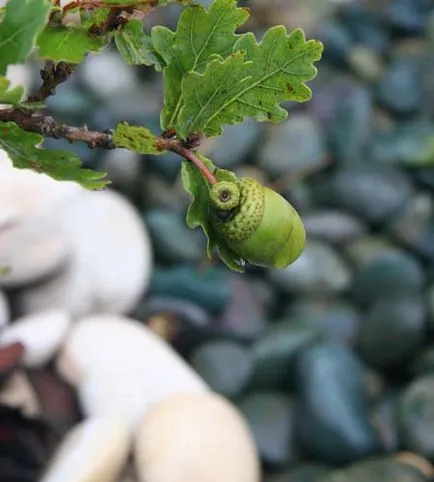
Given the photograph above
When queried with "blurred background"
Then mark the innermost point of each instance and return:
(332, 359)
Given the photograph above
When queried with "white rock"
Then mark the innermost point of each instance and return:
(41, 334)
(122, 368)
(4, 309)
(19, 393)
(94, 451)
(195, 438)
(111, 258)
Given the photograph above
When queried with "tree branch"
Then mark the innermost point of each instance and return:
(52, 75)
(36, 121)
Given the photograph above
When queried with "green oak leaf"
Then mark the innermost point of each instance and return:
(61, 165)
(12, 96)
(68, 44)
(93, 16)
(200, 34)
(136, 47)
(137, 139)
(198, 211)
(251, 82)
(23, 21)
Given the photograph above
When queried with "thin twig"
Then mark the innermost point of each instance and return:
(52, 75)
(47, 126)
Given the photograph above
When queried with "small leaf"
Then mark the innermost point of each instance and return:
(137, 139)
(93, 16)
(200, 34)
(198, 211)
(23, 21)
(12, 96)
(68, 44)
(136, 47)
(61, 165)
(252, 82)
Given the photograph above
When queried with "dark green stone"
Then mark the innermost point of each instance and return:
(424, 362)
(392, 331)
(333, 421)
(384, 469)
(309, 472)
(271, 419)
(208, 288)
(276, 352)
(385, 416)
(416, 416)
(390, 274)
(226, 366)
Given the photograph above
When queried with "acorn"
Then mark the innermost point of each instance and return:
(256, 223)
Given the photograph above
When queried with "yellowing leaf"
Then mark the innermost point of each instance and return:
(61, 165)
(251, 82)
(23, 21)
(137, 139)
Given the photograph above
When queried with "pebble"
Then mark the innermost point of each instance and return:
(110, 262)
(392, 331)
(310, 273)
(195, 438)
(366, 63)
(294, 145)
(226, 366)
(333, 419)
(385, 419)
(4, 310)
(112, 360)
(93, 451)
(307, 472)
(41, 334)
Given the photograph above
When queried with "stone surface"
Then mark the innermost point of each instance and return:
(195, 438)
(4, 310)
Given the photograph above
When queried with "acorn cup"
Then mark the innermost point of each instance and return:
(256, 223)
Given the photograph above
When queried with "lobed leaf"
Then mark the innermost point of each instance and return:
(23, 21)
(68, 44)
(10, 96)
(136, 47)
(137, 139)
(251, 82)
(198, 211)
(21, 147)
(200, 34)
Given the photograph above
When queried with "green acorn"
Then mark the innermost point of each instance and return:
(256, 223)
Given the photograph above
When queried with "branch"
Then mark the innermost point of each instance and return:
(48, 127)
(52, 75)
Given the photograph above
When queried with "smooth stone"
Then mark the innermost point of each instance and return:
(337, 320)
(392, 331)
(416, 416)
(408, 16)
(319, 269)
(400, 89)
(172, 240)
(71, 104)
(431, 301)
(235, 144)
(418, 462)
(208, 287)
(157, 193)
(378, 469)
(87, 360)
(423, 364)
(390, 274)
(41, 334)
(195, 438)
(372, 191)
(385, 418)
(123, 168)
(366, 249)
(184, 324)
(110, 262)
(95, 450)
(337, 36)
(271, 416)
(276, 352)
(245, 316)
(366, 63)
(333, 226)
(297, 144)
(333, 419)
(226, 366)
(307, 472)
(103, 66)
(4, 310)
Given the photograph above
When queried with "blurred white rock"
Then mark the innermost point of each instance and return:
(93, 451)
(122, 368)
(110, 262)
(4, 309)
(195, 438)
(41, 334)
